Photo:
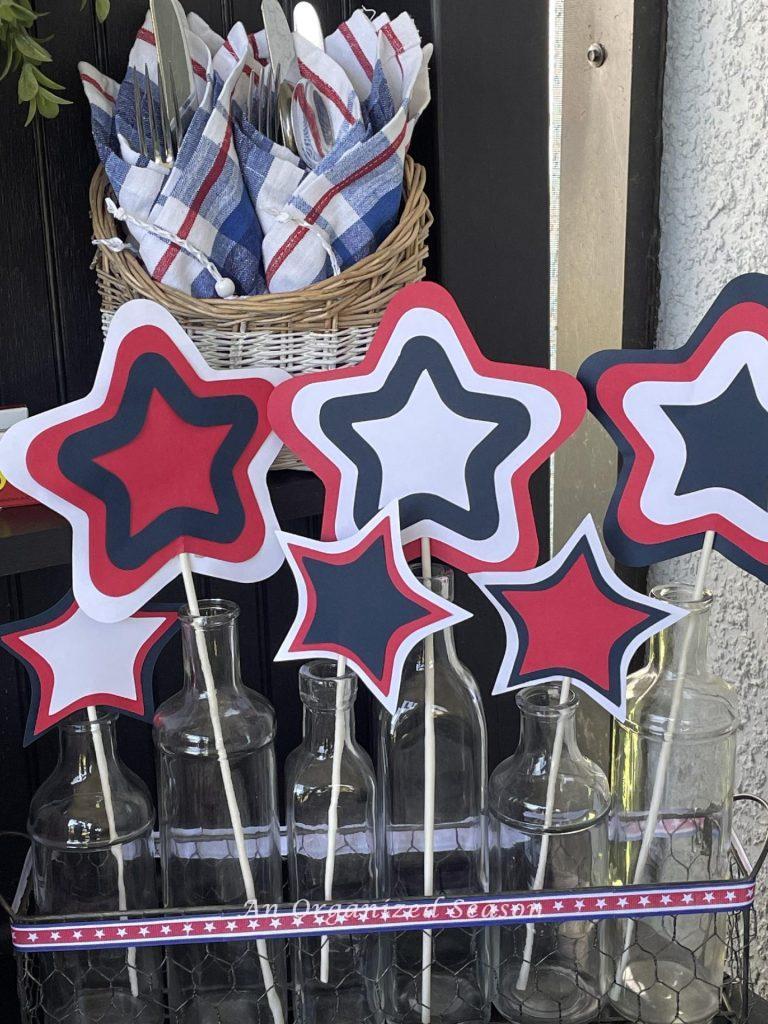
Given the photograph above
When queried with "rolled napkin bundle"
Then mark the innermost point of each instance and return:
(237, 211)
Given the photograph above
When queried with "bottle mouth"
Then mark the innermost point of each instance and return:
(213, 612)
(440, 581)
(319, 681)
(544, 701)
(681, 595)
(79, 721)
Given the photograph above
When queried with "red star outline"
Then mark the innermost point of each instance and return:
(433, 613)
(613, 384)
(42, 676)
(562, 386)
(42, 463)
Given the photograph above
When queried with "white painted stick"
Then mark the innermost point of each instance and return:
(339, 740)
(273, 997)
(659, 783)
(549, 811)
(117, 849)
(429, 795)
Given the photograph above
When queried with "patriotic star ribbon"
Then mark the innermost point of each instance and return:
(480, 911)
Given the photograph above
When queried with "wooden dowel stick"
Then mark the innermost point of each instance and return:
(339, 740)
(549, 810)
(660, 781)
(117, 849)
(273, 996)
(429, 795)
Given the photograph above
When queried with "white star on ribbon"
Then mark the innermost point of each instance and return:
(231, 926)
(99, 933)
(709, 897)
(144, 931)
(666, 898)
(275, 922)
(688, 897)
(730, 895)
(32, 936)
(623, 901)
(166, 930)
(253, 925)
(210, 926)
(580, 904)
(644, 901)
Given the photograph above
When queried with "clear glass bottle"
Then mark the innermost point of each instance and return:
(351, 993)
(221, 982)
(549, 971)
(670, 969)
(90, 842)
(459, 965)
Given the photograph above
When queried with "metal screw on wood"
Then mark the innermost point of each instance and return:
(596, 55)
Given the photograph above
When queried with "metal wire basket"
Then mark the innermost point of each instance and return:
(169, 956)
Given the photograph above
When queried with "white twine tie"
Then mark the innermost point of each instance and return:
(224, 286)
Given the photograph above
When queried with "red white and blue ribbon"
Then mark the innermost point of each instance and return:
(301, 919)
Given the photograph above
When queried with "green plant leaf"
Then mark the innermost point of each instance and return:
(48, 104)
(45, 80)
(31, 113)
(28, 84)
(31, 49)
(102, 9)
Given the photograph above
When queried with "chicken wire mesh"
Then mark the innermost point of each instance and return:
(660, 968)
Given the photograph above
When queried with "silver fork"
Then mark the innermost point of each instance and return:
(261, 100)
(165, 139)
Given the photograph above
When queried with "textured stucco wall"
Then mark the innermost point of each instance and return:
(714, 225)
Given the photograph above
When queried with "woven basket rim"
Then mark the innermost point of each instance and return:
(415, 217)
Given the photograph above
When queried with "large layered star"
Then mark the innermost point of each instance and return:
(573, 618)
(359, 600)
(691, 426)
(427, 421)
(164, 456)
(116, 673)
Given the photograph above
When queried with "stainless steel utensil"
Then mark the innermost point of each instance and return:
(174, 64)
(306, 21)
(161, 147)
(282, 56)
(310, 107)
(260, 104)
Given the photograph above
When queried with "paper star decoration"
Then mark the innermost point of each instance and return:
(427, 420)
(73, 662)
(358, 599)
(573, 618)
(164, 456)
(691, 426)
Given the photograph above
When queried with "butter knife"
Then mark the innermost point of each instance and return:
(306, 21)
(174, 62)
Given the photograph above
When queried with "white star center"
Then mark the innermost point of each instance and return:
(424, 448)
(108, 644)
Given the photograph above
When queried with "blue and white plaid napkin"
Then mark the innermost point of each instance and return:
(237, 209)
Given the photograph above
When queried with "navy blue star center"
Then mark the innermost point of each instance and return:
(357, 606)
(726, 442)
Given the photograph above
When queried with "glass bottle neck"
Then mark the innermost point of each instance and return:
(321, 726)
(210, 641)
(540, 715)
(82, 741)
(328, 702)
(682, 647)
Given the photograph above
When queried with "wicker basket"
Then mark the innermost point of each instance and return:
(328, 325)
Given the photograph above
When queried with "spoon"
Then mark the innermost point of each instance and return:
(312, 124)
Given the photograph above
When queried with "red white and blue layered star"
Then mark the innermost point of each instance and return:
(164, 456)
(358, 599)
(691, 426)
(573, 618)
(116, 673)
(425, 419)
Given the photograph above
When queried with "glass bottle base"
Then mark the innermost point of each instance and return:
(552, 994)
(658, 991)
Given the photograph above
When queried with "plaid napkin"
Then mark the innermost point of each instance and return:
(346, 206)
(238, 212)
